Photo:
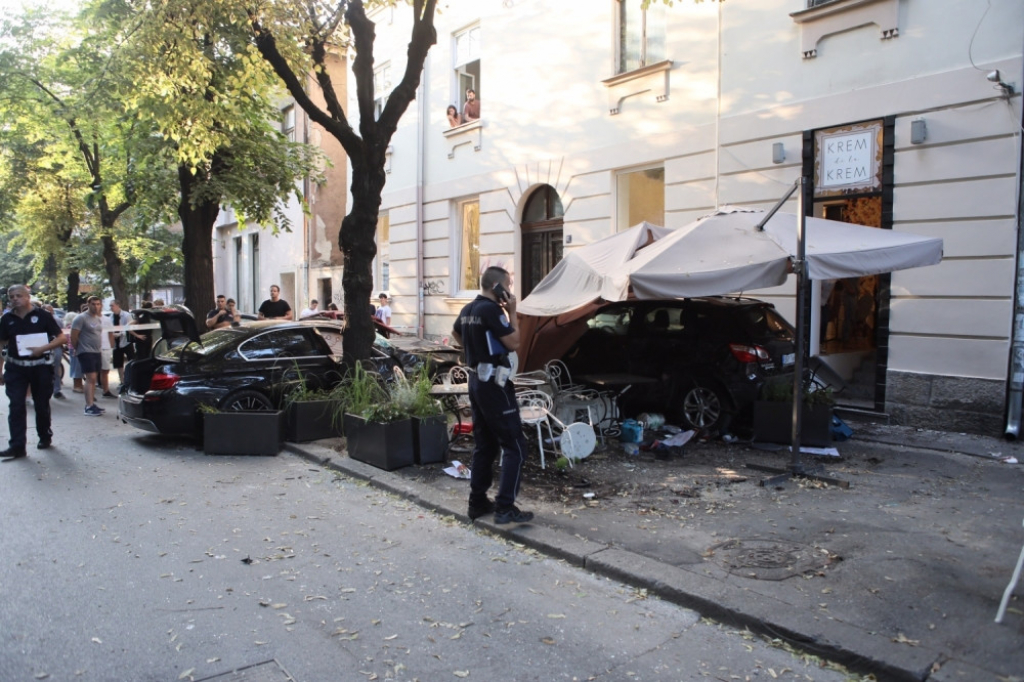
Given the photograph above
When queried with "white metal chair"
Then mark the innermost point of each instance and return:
(1009, 588)
(460, 375)
(535, 410)
(571, 400)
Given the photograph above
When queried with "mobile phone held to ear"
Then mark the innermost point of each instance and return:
(501, 293)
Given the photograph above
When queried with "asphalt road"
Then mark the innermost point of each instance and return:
(132, 557)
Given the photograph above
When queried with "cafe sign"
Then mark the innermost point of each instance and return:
(848, 159)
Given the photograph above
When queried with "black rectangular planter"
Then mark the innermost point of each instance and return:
(385, 446)
(430, 438)
(312, 420)
(243, 433)
(773, 423)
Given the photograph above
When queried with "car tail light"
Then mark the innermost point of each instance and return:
(745, 353)
(161, 381)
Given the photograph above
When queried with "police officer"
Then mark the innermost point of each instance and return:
(27, 365)
(484, 328)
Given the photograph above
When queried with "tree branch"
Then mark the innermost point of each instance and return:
(337, 125)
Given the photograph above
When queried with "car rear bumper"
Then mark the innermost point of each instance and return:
(159, 412)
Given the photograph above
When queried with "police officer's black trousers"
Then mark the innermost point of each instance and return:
(17, 381)
(497, 429)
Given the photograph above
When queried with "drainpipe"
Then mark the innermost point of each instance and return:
(1016, 396)
(421, 133)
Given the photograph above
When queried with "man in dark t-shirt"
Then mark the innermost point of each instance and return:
(275, 307)
(219, 316)
(484, 328)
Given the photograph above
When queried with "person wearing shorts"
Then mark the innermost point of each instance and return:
(87, 340)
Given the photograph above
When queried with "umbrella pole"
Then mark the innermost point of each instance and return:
(800, 269)
(796, 467)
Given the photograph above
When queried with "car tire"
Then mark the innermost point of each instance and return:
(247, 401)
(702, 407)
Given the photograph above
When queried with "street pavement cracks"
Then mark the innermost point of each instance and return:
(898, 576)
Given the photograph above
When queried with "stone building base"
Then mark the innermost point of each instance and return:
(946, 403)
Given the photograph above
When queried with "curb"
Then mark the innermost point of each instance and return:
(818, 634)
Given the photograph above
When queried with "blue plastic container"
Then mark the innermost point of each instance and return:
(631, 431)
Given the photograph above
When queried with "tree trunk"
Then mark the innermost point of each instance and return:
(112, 261)
(74, 298)
(197, 245)
(359, 247)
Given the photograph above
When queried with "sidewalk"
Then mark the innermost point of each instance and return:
(900, 575)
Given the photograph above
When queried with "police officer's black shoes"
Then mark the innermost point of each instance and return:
(11, 453)
(44, 444)
(512, 514)
(478, 509)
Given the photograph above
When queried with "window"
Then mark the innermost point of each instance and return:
(290, 343)
(641, 34)
(383, 274)
(466, 58)
(640, 195)
(381, 88)
(469, 256)
(288, 122)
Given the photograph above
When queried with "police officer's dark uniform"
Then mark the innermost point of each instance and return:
(23, 372)
(497, 427)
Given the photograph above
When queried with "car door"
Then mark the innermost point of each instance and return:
(283, 358)
(603, 347)
(660, 344)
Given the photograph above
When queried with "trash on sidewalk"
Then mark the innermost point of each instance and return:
(821, 452)
(1006, 459)
(457, 470)
(679, 439)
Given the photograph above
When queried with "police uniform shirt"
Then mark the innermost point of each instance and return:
(482, 324)
(37, 321)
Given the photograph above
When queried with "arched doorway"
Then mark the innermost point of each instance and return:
(542, 237)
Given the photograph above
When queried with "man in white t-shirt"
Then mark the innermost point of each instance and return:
(311, 310)
(383, 310)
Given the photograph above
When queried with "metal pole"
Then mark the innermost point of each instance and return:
(775, 209)
(799, 268)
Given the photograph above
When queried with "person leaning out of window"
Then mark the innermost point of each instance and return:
(454, 118)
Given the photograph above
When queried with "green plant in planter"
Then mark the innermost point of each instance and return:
(419, 402)
(358, 392)
(782, 392)
(206, 408)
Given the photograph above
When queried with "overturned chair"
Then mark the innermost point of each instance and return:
(574, 441)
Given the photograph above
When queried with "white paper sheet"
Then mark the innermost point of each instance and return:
(28, 341)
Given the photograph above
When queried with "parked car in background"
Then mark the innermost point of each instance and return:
(710, 356)
(251, 366)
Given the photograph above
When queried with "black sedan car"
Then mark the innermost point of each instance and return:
(247, 367)
(710, 356)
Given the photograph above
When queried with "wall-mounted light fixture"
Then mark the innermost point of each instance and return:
(778, 152)
(918, 131)
(993, 77)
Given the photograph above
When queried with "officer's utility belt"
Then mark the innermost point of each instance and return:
(35, 362)
(485, 371)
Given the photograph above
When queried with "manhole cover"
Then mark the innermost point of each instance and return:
(268, 671)
(767, 559)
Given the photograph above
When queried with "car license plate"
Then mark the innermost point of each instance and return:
(788, 359)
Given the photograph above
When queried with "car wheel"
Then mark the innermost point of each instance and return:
(247, 401)
(702, 407)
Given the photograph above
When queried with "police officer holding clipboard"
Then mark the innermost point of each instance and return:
(485, 329)
(27, 336)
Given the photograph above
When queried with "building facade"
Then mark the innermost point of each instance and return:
(306, 261)
(595, 115)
